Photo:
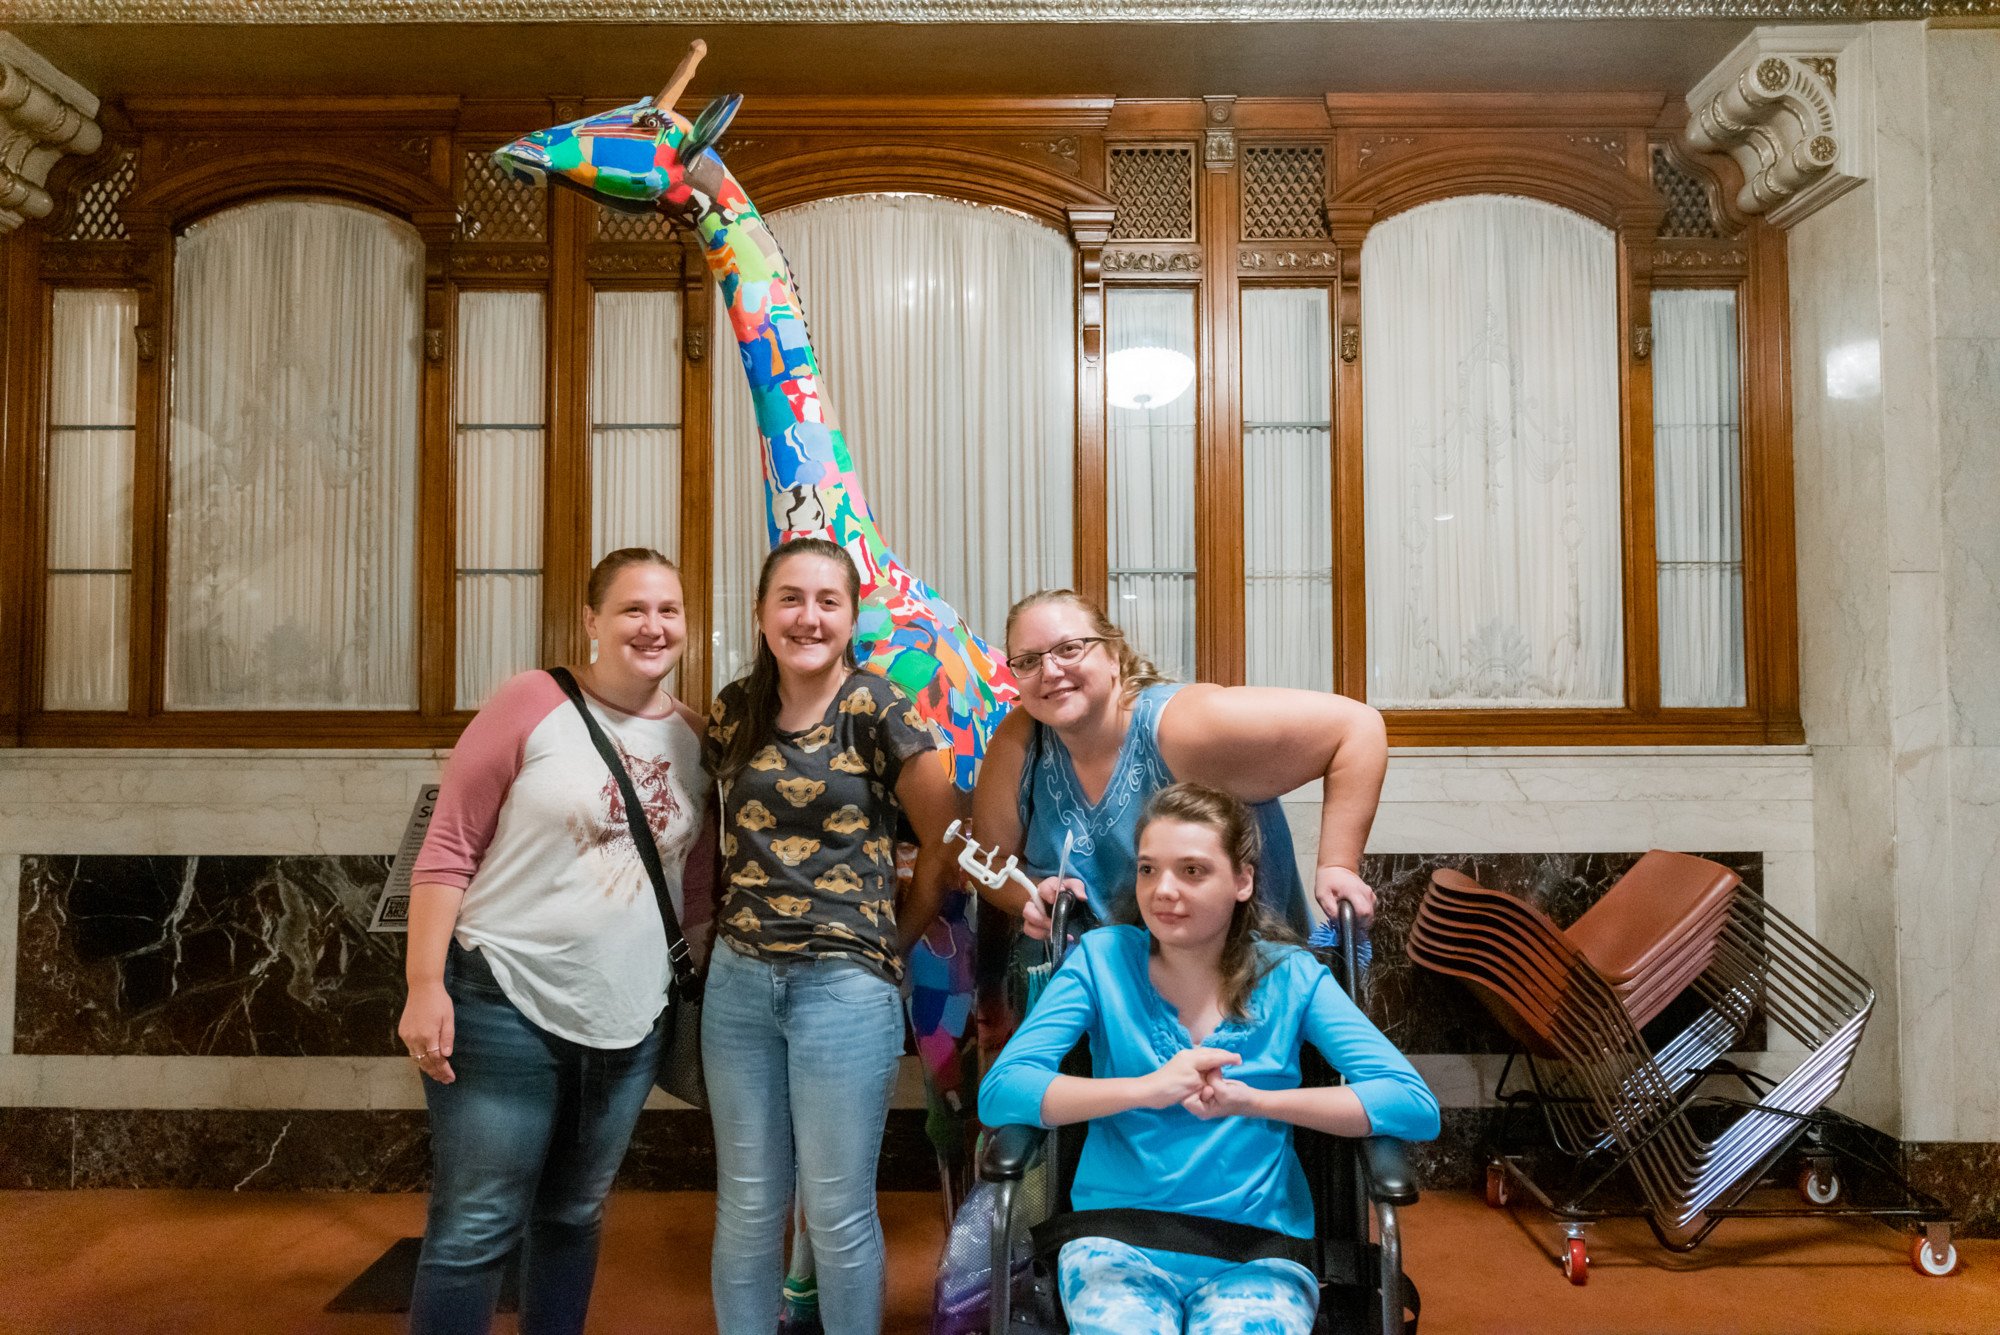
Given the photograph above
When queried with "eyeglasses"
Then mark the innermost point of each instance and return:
(1064, 654)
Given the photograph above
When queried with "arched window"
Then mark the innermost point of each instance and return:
(946, 335)
(1491, 451)
(292, 475)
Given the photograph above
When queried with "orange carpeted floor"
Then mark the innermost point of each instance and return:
(164, 1261)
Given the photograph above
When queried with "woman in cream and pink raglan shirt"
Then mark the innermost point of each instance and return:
(543, 1044)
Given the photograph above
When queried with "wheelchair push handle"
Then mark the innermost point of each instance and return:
(1350, 945)
(1070, 917)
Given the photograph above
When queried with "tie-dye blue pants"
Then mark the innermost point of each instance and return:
(1112, 1288)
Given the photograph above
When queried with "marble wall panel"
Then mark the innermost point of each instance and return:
(1839, 471)
(1965, 1175)
(1422, 1012)
(37, 1149)
(10, 926)
(1854, 804)
(1972, 964)
(205, 956)
(1964, 108)
(209, 802)
(251, 1150)
(1901, 258)
(1968, 372)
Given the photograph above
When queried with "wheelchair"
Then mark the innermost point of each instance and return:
(1354, 1184)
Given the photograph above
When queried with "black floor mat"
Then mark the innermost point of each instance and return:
(385, 1285)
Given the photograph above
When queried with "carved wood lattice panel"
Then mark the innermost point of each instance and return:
(97, 206)
(495, 208)
(1154, 187)
(1688, 211)
(1284, 193)
(615, 226)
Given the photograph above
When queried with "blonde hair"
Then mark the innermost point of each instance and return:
(1135, 670)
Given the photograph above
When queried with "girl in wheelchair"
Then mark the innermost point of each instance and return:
(1195, 1020)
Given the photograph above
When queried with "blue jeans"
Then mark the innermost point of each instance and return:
(801, 1058)
(524, 1146)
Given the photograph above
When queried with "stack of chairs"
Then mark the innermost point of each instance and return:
(1576, 1001)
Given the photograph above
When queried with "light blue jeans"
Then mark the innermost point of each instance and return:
(801, 1058)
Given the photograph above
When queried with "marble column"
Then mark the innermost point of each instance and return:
(1896, 385)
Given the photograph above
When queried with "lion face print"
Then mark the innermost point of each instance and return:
(846, 820)
(799, 790)
(794, 849)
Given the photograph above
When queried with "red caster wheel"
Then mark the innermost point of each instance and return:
(1929, 1261)
(1496, 1186)
(1576, 1262)
(1819, 1186)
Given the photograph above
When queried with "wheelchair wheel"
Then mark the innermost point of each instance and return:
(1576, 1261)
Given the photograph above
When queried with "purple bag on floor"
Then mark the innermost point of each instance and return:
(963, 1300)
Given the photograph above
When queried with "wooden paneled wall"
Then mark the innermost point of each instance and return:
(1050, 158)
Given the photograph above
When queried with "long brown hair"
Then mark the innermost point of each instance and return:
(760, 689)
(1243, 966)
(1135, 670)
(606, 570)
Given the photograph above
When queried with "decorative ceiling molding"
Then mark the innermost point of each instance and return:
(954, 11)
(1771, 105)
(43, 114)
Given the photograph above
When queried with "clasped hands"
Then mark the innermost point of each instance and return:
(1194, 1079)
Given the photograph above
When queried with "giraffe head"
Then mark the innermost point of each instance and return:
(639, 158)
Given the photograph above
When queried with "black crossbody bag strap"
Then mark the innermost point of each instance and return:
(679, 957)
(1163, 1230)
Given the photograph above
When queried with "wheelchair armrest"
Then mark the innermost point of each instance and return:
(1007, 1152)
(1389, 1178)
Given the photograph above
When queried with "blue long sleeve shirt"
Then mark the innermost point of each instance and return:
(1234, 1168)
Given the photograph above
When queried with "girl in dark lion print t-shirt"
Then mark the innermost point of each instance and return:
(802, 1021)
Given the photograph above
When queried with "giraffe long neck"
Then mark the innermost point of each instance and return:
(808, 469)
(903, 629)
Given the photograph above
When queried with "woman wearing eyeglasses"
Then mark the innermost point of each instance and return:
(1100, 730)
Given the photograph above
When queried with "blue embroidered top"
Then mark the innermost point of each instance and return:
(1235, 1168)
(1105, 852)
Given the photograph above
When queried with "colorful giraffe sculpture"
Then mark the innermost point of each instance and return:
(646, 157)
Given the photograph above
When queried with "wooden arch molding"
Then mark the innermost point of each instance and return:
(225, 180)
(1605, 194)
(969, 174)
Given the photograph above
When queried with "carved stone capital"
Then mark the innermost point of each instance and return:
(43, 114)
(1772, 105)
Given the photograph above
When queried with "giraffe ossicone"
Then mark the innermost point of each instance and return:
(646, 156)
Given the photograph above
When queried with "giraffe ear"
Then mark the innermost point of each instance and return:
(709, 126)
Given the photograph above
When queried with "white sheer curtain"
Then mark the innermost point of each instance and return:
(635, 422)
(501, 446)
(92, 407)
(1288, 487)
(1698, 497)
(293, 477)
(1149, 485)
(946, 332)
(1489, 336)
